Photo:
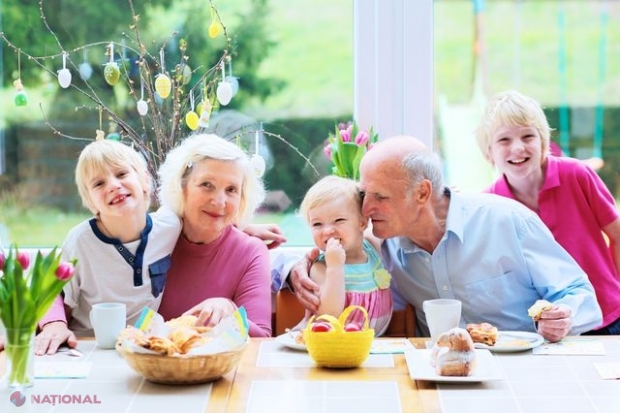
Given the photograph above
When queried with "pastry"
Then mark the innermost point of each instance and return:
(454, 354)
(536, 310)
(484, 333)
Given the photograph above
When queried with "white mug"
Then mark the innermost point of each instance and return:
(442, 315)
(108, 320)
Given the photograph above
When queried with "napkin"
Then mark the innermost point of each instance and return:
(61, 370)
(608, 370)
(568, 346)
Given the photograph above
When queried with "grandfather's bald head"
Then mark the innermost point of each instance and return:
(395, 148)
(402, 157)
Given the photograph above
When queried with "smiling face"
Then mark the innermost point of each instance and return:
(338, 218)
(385, 201)
(516, 151)
(116, 191)
(212, 197)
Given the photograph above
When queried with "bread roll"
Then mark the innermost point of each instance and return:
(483, 333)
(454, 354)
(536, 310)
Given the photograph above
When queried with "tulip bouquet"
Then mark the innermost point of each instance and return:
(24, 300)
(346, 147)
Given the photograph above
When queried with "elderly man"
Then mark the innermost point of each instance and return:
(491, 253)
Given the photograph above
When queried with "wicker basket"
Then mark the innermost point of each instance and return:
(339, 348)
(182, 369)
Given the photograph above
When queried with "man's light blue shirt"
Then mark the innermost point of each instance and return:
(498, 258)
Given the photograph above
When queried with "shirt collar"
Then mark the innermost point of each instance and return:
(454, 222)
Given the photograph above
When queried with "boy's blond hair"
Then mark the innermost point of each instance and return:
(329, 188)
(100, 155)
(511, 108)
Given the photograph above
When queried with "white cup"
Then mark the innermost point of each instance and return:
(108, 320)
(442, 315)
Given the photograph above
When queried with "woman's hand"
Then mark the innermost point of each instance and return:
(52, 336)
(306, 290)
(212, 310)
(270, 233)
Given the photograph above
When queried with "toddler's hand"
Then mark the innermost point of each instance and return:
(334, 253)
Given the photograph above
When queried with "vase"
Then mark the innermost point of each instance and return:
(19, 348)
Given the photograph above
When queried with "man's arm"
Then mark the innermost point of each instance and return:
(291, 271)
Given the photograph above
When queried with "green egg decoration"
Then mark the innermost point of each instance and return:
(21, 99)
(114, 136)
(111, 73)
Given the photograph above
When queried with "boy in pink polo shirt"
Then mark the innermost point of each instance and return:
(567, 194)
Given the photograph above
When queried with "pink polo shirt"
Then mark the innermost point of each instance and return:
(575, 205)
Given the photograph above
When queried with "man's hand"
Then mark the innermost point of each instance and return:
(52, 336)
(555, 324)
(306, 290)
(270, 233)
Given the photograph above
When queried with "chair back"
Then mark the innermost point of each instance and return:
(289, 312)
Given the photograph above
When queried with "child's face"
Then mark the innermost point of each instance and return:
(117, 191)
(339, 218)
(516, 151)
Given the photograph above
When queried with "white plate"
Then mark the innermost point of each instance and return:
(419, 363)
(288, 340)
(513, 341)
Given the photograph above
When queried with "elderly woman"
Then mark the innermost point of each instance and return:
(215, 267)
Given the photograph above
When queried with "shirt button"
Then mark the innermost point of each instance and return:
(445, 288)
(426, 259)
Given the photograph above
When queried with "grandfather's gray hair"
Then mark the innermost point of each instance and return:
(423, 164)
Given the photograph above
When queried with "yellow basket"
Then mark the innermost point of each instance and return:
(182, 369)
(339, 348)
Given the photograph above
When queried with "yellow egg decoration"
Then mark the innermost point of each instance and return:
(111, 73)
(191, 119)
(215, 29)
(163, 86)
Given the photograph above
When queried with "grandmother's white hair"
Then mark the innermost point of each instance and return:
(174, 173)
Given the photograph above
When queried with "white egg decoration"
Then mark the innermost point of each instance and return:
(86, 70)
(224, 93)
(64, 78)
(143, 108)
(234, 83)
(258, 163)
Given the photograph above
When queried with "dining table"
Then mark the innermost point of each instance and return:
(579, 375)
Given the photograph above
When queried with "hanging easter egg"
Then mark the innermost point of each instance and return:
(186, 75)
(215, 29)
(258, 163)
(191, 119)
(143, 108)
(114, 136)
(111, 73)
(234, 83)
(85, 70)
(163, 86)
(205, 115)
(64, 78)
(20, 98)
(224, 93)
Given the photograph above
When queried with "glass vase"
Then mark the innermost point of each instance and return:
(19, 346)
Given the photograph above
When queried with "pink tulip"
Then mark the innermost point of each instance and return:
(23, 259)
(2, 261)
(327, 150)
(65, 271)
(345, 134)
(362, 138)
